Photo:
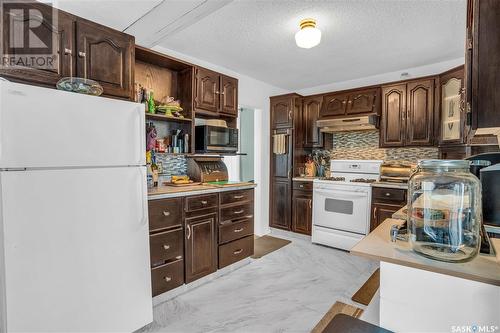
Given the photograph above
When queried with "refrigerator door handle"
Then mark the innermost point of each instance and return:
(142, 131)
(144, 199)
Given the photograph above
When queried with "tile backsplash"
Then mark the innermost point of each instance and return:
(364, 145)
(172, 165)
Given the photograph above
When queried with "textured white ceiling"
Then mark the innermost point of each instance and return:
(117, 14)
(360, 38)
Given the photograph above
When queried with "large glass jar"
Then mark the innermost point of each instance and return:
(444, 210)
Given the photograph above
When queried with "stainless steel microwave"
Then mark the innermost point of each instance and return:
(214, 139)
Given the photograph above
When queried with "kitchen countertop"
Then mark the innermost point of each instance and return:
(304, 179)
(163, 192)
(378, 246)
(401, 214)
(401, 186)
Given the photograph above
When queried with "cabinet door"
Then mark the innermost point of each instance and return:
(312, 137)
(282, 112)
(302, 212)
(451, 114)
(281, 200)
(106, 56)
(229, 95)
(420, 113)
(201, 246)
(380, 213)
(485, 69)
(207, 90)
(393, 123)
(281, 164)
(60, 34)
(363, 102)
(334, 105)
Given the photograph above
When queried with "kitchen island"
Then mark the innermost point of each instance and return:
(419, 294)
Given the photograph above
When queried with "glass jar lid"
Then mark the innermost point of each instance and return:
(447, 164)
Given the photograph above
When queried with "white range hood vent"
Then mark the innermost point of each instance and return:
(348, 124)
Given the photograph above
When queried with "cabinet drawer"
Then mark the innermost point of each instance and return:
(236, 196)
(231, 231)
(302, 186)
(165, 213)
(393, 195)
(167, 277)
(236, 212)
(235, 251)
(166, 246)
(201, 202)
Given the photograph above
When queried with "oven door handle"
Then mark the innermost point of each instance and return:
(341, 195)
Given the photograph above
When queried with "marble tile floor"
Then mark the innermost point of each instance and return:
(288, 290)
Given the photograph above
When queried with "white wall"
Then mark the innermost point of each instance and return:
(252, 94)
(414, 72)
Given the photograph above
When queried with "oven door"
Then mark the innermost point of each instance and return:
(342, 209)
(222, 139)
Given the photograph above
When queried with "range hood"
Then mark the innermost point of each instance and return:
(348, 124)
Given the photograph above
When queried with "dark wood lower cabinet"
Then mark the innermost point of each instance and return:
(167, 277)
(385, 202)
(201, 245)
(281, 197)
(302, 212)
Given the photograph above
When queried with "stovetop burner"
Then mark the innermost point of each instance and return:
(362, 180)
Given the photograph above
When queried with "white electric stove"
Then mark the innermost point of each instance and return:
(342, 202)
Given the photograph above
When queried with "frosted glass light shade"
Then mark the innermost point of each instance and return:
(308, 36)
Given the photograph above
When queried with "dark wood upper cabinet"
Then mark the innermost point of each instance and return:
(106, 56)
(201, 246)
(408, 114)
(311, 135)
(365, 101)
(393, 124)
(334, 105)
(82, 49)
(452, 118)
(207, 90)
(61, 34)
(280, 205)
(302, 212)
(229, 95)
(215, 94)
(282, 111)
(420, 113)
(482, 65)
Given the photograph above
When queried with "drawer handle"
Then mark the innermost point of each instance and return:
(167, 278)
(166, 213)
(68, 51)
(248, 216)
(82, 54)
(239, 230)
(204, 202)
(238, 251)
(239, 211)
(239, 196)
(301, 186)
(166, 247)
(189, 231)
(387, 194)
(178, 257)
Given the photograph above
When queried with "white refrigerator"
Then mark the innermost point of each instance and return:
(74, 247)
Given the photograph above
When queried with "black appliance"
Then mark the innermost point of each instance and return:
(490, 183)
(215, 139)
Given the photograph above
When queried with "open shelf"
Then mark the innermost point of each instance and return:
(157, 116)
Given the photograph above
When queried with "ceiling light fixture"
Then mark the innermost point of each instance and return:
(308, 36)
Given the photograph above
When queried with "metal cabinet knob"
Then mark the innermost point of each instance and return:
(166, 247)
(238, 197)
(168, 278)
(387, 194)
(238, 211)
(238, 230)
(166, 213)
(82, 54)
(68, 51)
(238, 251)
(204, 202)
